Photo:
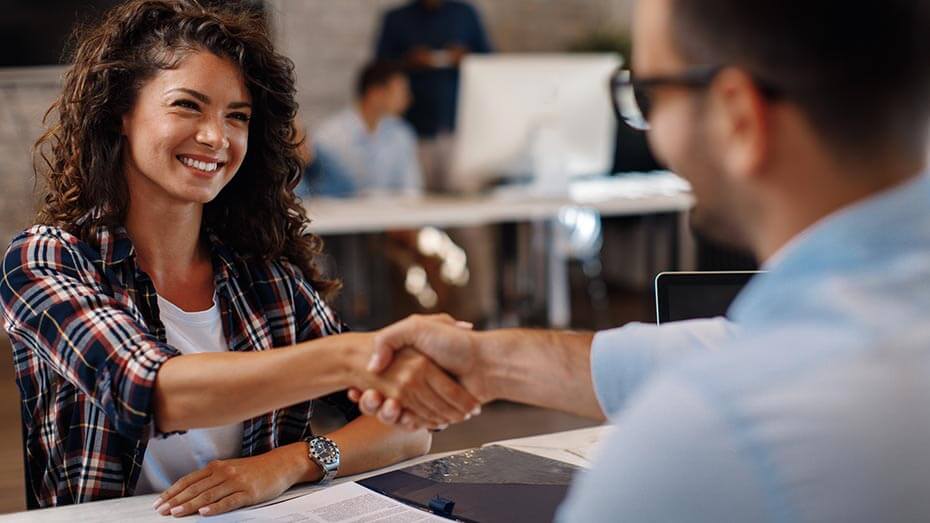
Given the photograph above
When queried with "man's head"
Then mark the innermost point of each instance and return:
(798, 88)
(384, 87)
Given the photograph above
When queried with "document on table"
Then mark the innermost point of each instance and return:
(578, 447)
(347, 502)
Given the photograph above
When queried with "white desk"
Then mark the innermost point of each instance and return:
(629, 195)
(620, 196)
(573, 447)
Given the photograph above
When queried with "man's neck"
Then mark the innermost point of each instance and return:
(823, 193)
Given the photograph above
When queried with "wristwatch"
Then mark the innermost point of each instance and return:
(325, 453)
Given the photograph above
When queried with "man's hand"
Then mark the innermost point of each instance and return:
(227, 485)
(450, 344)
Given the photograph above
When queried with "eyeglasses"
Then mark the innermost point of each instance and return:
(632, 97)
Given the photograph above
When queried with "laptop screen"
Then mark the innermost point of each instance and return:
(692, 295)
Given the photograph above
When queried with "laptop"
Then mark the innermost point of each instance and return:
(691, 295)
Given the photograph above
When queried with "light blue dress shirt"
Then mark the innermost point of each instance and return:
(383, 161)
(816, 409)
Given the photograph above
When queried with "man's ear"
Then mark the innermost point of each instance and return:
(741, 123)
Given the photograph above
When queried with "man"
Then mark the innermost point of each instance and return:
(431, 37)
(367, 148)
(804, 133)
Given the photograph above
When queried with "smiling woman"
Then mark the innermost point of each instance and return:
(169, 258)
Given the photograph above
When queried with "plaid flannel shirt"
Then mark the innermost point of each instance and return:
(88, 343)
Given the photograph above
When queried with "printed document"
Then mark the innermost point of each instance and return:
(344, 503)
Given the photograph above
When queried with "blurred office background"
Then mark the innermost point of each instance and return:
(329, 41)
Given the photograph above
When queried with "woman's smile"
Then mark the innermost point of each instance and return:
(201, 165)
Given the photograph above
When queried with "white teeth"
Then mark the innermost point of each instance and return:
(196, 164)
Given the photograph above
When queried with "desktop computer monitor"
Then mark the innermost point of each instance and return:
(544, 119)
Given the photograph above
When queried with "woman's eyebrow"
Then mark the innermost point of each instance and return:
(206, 99)
(196, 94)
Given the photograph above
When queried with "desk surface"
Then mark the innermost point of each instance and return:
(573, 447)
(618, 196)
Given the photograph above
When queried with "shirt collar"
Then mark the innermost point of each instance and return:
(864, 234)
(116, 247)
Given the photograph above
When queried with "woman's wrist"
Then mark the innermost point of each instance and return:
(297, 460)
(354, 353)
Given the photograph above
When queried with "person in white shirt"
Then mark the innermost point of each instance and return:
(367, 148)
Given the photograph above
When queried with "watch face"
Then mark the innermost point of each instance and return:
(325, 451)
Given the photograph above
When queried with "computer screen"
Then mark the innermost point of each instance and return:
(543, 119)
(692, 295)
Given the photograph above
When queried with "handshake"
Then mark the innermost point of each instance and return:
(424, 372)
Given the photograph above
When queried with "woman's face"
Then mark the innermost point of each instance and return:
(188, 131)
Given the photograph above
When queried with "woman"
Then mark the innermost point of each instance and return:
(169, 257)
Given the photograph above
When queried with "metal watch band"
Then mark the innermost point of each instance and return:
(325, 453)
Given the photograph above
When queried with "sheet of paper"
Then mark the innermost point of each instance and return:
(344, 503)
(577, 447)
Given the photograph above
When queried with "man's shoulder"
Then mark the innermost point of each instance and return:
(398, 127)
(460, 6)
(400, 11)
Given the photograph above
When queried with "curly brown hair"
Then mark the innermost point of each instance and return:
(257, 213)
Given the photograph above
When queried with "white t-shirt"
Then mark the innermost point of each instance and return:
(169, 459)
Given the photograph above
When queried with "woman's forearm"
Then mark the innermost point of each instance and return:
(366, 444)
(207, 390)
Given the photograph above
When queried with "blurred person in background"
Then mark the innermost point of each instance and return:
(367, 148)
(431, 37)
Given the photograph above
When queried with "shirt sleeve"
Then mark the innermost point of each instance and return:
(316, 319)
(480, 43)
(623, 359)
(671, 457)
(53, 307)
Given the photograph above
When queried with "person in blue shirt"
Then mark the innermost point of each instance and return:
(807, 144)
(431, 37)
(366, 148)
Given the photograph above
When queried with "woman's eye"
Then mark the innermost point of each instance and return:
(243, 117)
(187, 104)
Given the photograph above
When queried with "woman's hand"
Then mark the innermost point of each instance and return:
(227, 485)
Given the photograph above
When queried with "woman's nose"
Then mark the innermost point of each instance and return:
(213, 135)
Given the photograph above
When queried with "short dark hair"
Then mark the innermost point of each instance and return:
(376, 74)
(860, 71)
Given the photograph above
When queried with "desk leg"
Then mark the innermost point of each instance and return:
(558, 286)
(686, 256)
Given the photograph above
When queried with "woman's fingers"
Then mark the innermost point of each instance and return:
(169, 498)
(370, 402)
(423, 406)
(230, 502)
(454, 394)
(354, 394)
(203, 499)
(390, 412)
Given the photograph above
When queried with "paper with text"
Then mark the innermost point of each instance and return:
(348, 502)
